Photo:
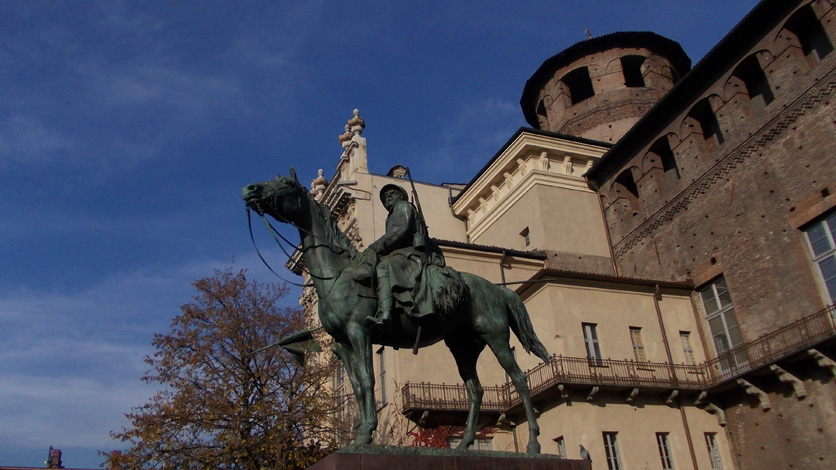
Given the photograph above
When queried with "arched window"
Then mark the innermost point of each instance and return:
(631, 67)
(662, 149)
(542, 116)
(625, 187)
(579, 84)
(810, 33)
(751, 74)
(704, 115)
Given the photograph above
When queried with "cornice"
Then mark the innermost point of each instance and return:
(529, 159)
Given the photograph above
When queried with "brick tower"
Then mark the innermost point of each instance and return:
(600, 87)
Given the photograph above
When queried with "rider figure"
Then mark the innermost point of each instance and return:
(404, 251)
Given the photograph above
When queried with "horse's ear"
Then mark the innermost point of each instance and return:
(293, 174)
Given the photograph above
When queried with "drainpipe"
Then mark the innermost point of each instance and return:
(656, 295)
(460, 217)
(502, 275)
(606, 227)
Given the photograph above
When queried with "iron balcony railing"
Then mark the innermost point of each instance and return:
(790, 339)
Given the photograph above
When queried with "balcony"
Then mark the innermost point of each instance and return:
(561, 371)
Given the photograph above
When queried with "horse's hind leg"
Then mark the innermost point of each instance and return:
(502, 350)
(466, 354)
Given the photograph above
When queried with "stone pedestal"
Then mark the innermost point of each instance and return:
(422, 458)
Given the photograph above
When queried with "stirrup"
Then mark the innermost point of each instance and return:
(373, 321)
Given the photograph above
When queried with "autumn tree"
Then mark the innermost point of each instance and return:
(228, 398)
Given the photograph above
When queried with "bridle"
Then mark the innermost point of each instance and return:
(277, 236)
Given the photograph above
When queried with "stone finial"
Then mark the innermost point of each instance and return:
(357, 123)
(345, 139)
(318, 185)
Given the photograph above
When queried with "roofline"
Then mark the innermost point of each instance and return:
(536, 255)
(514, 137)
(546, 274)
(648, 40)
(740, 40)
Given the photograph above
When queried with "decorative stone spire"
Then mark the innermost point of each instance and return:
(318, 185)
(357, 123)
(345, 139)
(354, 149)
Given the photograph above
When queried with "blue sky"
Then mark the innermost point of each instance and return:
(127, 130)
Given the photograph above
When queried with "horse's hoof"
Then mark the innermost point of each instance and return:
(533, 448)
(463, 446)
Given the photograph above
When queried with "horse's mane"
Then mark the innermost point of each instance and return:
(335, 235)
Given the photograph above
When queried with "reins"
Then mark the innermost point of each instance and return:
(276, 235)
(250, 225)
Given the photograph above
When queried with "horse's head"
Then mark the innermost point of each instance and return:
(280, 198)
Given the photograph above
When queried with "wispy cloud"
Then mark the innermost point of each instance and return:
(64, 409)
(71, 363)
(474, 134)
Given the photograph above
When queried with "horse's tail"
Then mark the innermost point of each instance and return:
(522, 327)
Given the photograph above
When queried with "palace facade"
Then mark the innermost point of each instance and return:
(672, 233)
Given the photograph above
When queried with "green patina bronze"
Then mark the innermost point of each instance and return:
(465, 310)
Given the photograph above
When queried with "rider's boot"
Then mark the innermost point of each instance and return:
(385, 302)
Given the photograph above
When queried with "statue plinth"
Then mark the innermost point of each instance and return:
(419, 458)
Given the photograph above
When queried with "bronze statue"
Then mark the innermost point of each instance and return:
(404, 251)
(478, 314)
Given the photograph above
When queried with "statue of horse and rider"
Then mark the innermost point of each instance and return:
(399, 293)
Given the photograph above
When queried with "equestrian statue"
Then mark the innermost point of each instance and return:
(399, 293)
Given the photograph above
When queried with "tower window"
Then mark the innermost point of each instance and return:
(579, 84)
(631, 67)
(709, 126)
(662, 149)
(626, 187)
(750, 73)
(542, 116)
(810, 33)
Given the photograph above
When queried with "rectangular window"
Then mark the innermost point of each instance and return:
(611, 449)
(382, 368)
(560, 446)
(480, 443)
(685, 337)
(713, 451)
(338, 378)
(638, 344)
(664, 450)
(590, 337)
(719, 313)
(820, 239)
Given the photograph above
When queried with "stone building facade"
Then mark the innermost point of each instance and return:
(671, 232)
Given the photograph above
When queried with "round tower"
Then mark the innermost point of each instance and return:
(599, 88)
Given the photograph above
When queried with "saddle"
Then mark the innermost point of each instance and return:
(438, 291)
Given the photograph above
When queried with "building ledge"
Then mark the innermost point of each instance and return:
(716, 375)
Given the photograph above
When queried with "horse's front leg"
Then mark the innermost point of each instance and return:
(346, 354)
(362, 347)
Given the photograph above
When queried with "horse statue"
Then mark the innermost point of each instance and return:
(483, 317)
